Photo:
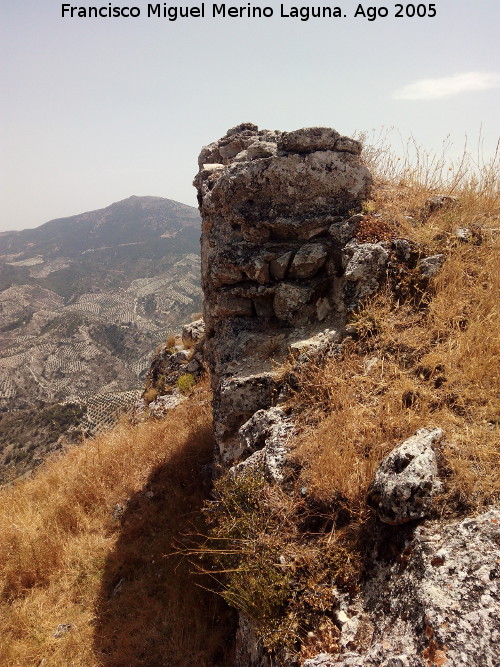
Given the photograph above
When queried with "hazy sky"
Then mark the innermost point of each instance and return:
(94, 110)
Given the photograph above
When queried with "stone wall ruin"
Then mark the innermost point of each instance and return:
(277, 210)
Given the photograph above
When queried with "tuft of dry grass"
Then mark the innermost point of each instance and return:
(171, 342)
(85, 544)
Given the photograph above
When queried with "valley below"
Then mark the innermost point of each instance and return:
(84, 303)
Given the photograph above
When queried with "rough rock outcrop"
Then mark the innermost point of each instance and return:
(249, 650)
(436, 605)
(407, 479)
(364, 267)
(438, 202)
(277, 212)
(264, 439)
(430, 266)
(171, 363)
(193, 333)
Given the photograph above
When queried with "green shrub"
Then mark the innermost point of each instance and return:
(249, 526)
(185, 383)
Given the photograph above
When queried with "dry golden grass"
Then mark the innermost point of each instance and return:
(171, 342)
(433, 362)
(66, 560)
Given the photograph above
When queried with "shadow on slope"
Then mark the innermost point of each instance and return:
(151, 610)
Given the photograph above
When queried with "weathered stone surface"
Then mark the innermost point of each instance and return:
(228, 305)
(406, 252)
(224, 272)
(469, 235)
(308, 139)
(163, 404)
(260, 427)
(286, 229)
(407, 480)
(430, 266)
(193, 366)
(364, 261)
(348, 145)
(314, 348)
(268, 200)
(437, 606)
(261, 149)
(236, 400)
(437, 202)
(342, 231)
(289, 299)
(181, 357)
(321, 660)
(258, 270)
(308, 260)
(249, 650)
(264, 439)
(364, 265)
(279, 266)
(193, 333)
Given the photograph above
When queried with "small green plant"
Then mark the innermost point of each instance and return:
(185, 383)
(368, 206)
(248, 529)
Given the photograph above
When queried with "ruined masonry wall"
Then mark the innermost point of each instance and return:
(275, 210)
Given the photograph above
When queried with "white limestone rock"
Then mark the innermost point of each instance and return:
(364, 267)
(265, 437)
(193, 333)
(308, 260)
(440, 607)
(430, 266)
(407, 479)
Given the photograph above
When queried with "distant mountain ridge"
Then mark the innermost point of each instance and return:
(84, 302)
(67, 249)
(131, 220)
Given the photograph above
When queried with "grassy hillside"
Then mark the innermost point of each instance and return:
(417, 357)
(86, 571)
(418, 354)
(87, 575)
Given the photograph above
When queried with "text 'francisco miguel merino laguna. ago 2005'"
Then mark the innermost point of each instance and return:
(203, 10)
